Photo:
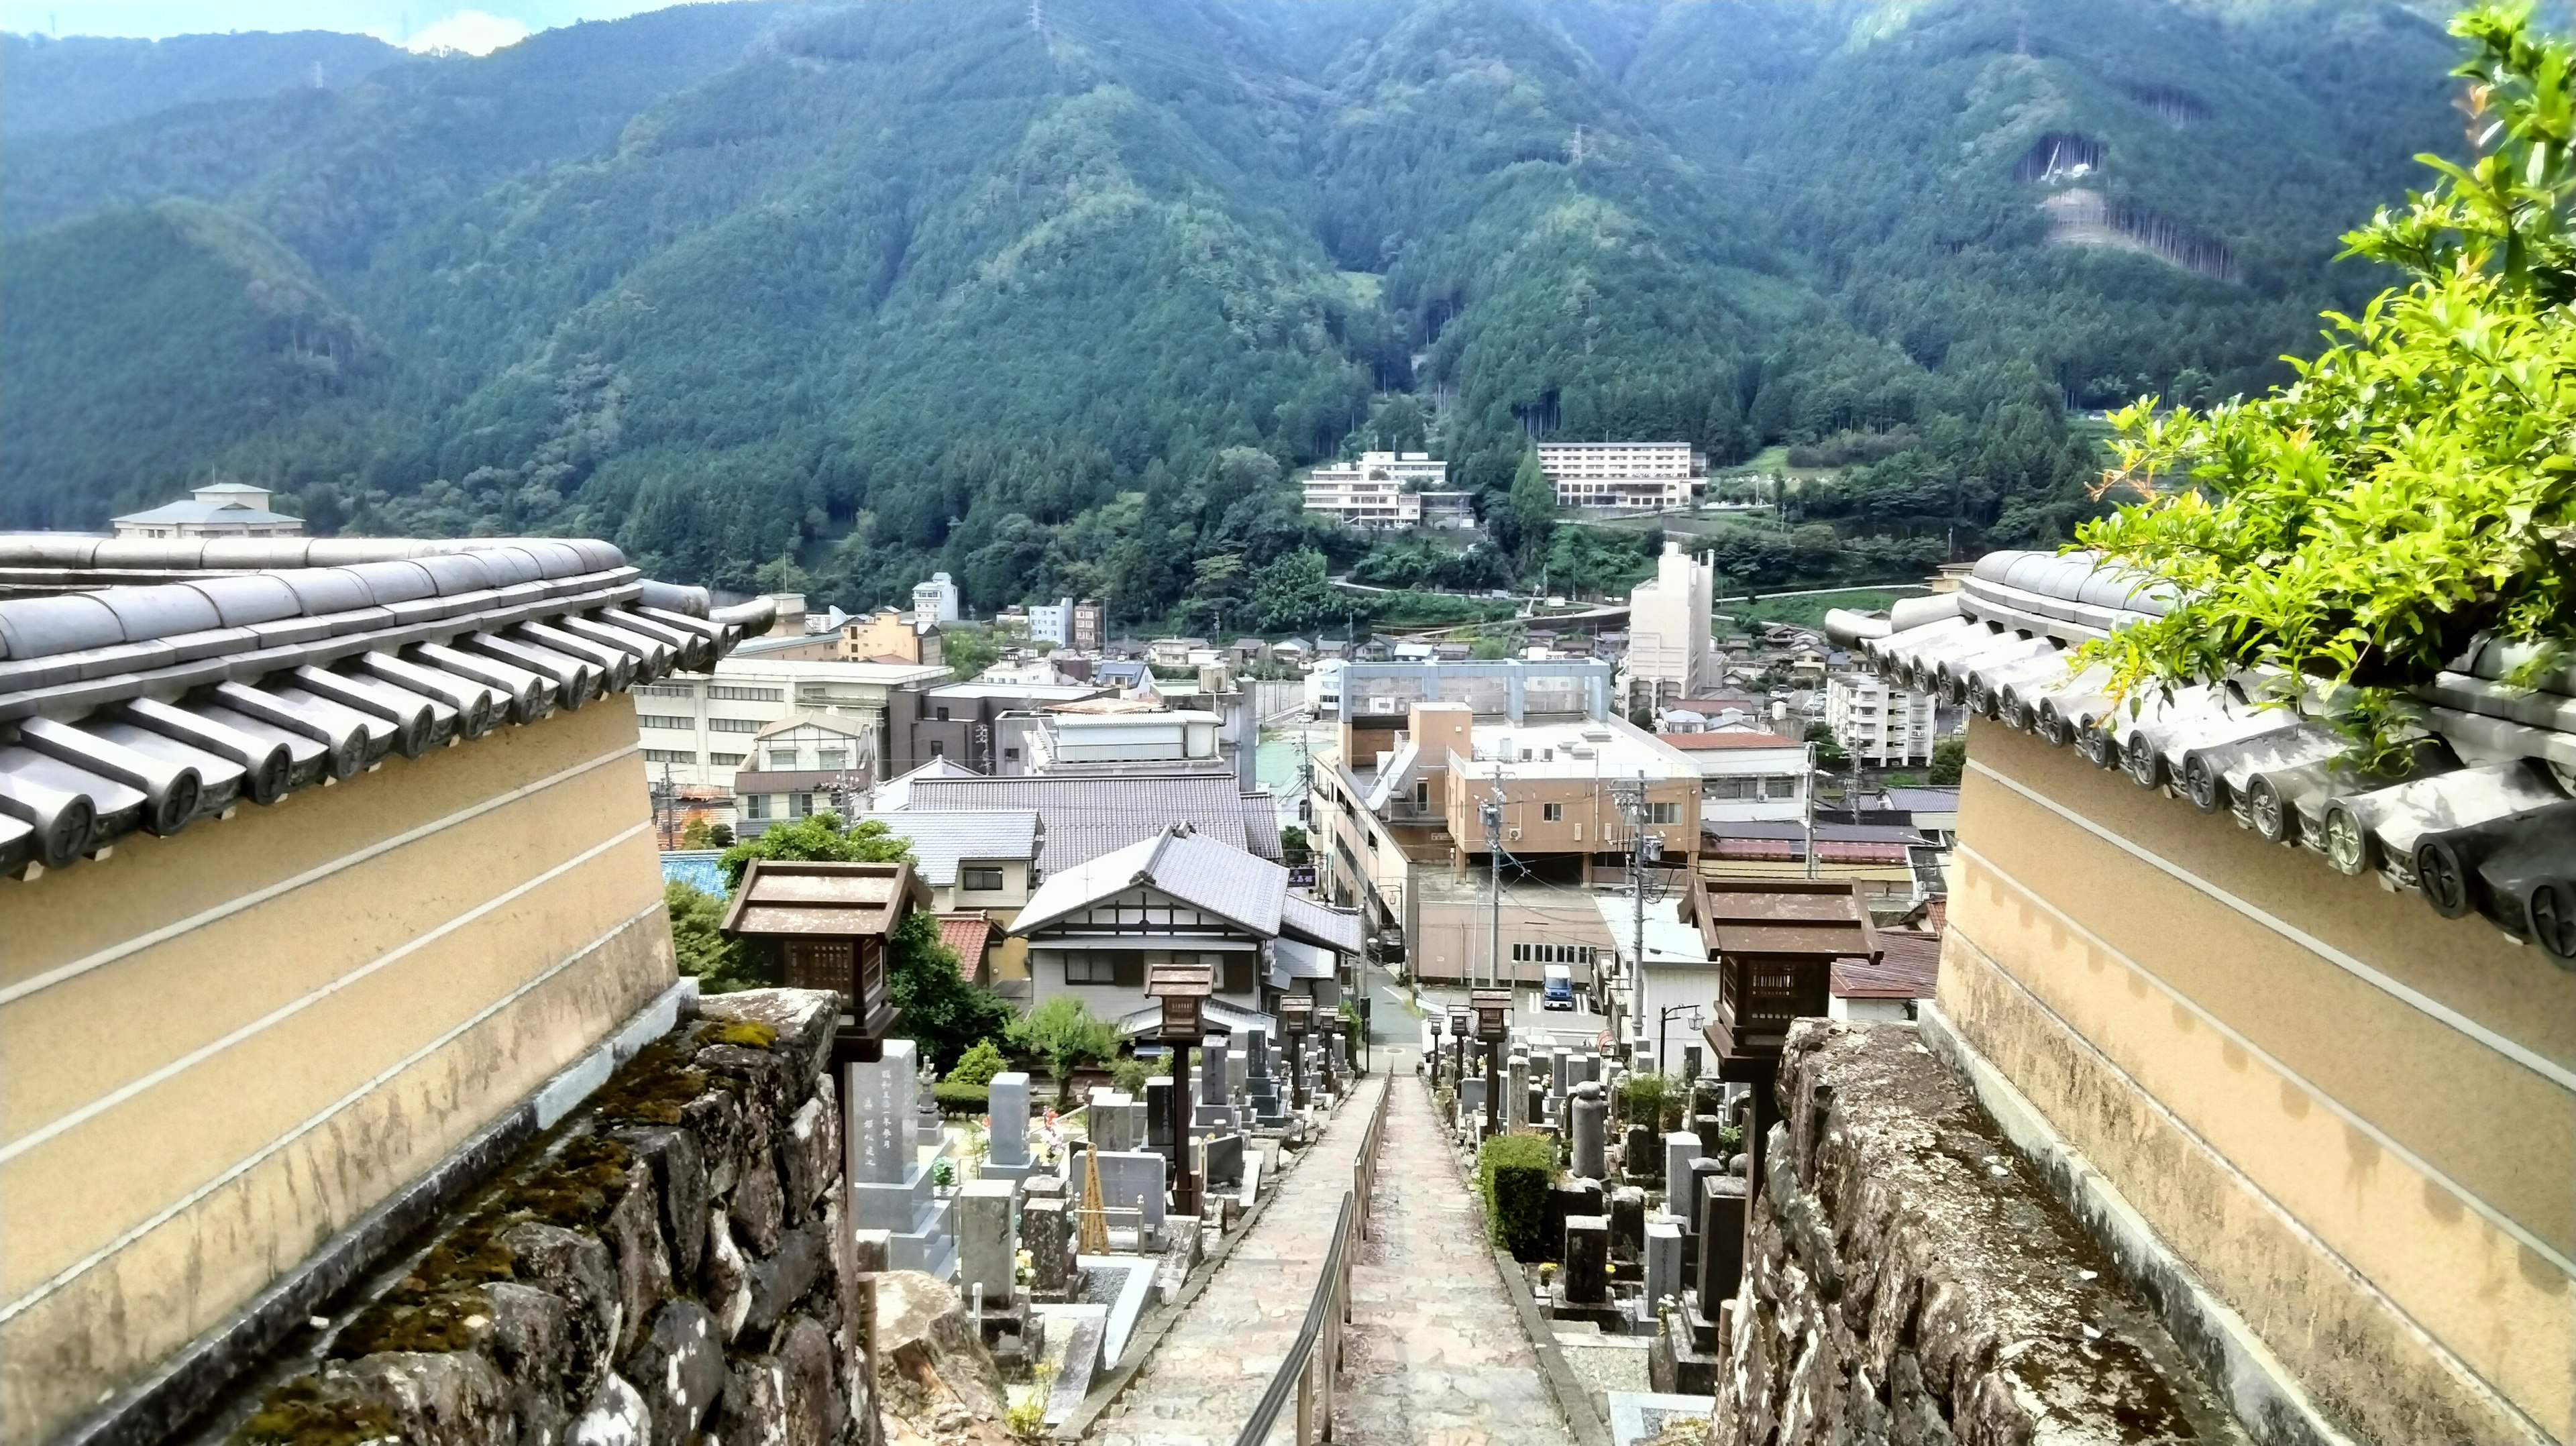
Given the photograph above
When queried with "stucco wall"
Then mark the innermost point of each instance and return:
(2349, 1115)
(224, 1047)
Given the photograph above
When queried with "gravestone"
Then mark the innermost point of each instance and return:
(1563, 1201)
(1638, 1155)
(1535, 1107)
(1224, 1159)
(1627, 1220)
(987, 1241)
(1046, 1230)
(1721, 1251)
(1586, 1275)
(1117, 1121)
(1587, 1114)
(1663, 1261)
(1130, 1181)
(1158, 1114)
(1680, 1148)
(1471, 1097)
(1043, 1187)
(1560, 1072)
(928, 1129)
(1587, 1067)
(1690, 1061)
(1008, 1145)
(1216, 1108)
(890, 1176)
(1516, 1093)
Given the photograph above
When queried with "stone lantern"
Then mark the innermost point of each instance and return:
(1296, 1020)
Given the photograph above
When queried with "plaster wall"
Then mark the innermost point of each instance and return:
(2349, 1115)
(224, 1047)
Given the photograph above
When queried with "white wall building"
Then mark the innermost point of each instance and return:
(1670, 652)
(220, 509)
(1882, 726)
(934, 601)
(1381, 489)
(1747, 776)
(698, 728)
(1052, 622)
(1623, 474)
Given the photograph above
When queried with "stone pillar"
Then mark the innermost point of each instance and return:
(1516, 1093)
(1664, 1263)
(1587, 1115)
(1721, 1247)
(1158, 1115)
(1007, 1155)
(1680, 1148)
(1046, 1228)
(1587, 1260)
(1560, 1072)
(987, 1241)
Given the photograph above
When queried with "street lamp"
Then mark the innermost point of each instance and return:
(1663, 1028)
(1182, 990)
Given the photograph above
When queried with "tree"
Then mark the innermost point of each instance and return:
(1533, 506)
(698, 941)
(941, 1010)
(1063, 1032)
(2412, 487)
(1949, 760)
(968, 651)
(1294, 593)
(978, 1064)
(1830, 755)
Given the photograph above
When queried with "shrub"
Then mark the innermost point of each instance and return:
(977, 1066)
(1512, 1175)
(957, 1097)
(1649, 1099)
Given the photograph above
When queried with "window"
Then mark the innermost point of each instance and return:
(1104, 966)
(1730, 788)
(725, 760)
(746, 695)
(1663, 813)
(1779, 785)
(1551, 813)
(1552, 953)
(1010, 755)
(941, 714)
(667, 690)
(668, 755)
(832, 758)
(981, 877)
(938, 749)
(663, 720)
(755, 805)
(736, 725)
(804, 805)
(782, 759)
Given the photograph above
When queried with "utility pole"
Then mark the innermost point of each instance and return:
(1808, 785)
(1632, 806)
(1493, 815)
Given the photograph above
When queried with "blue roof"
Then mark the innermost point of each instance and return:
(694, 867)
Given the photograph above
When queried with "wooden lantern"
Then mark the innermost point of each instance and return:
(1296, 1013)
(1493, 1011)
(1774, 942)
(831, 923)
(1183, 990)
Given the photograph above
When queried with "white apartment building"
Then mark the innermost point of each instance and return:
(934, 601)
(1746, 775)
(698, 728)
(1381, 489)
(1623, 474)
(1052, 622)
(1881, 726)
(1671, 654)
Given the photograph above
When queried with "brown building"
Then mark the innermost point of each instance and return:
(330, 880)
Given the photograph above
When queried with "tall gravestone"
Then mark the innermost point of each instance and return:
(1158, 1114)
(1007, 1145)
(988, 1244)
(1587, 1114)
(1680, 1148)
(1216, 1109)
(1046, 1229)
(1560, 1072)
(1516, 1093)
(1587, 1260)
(890, 1177)
(1663, 1261)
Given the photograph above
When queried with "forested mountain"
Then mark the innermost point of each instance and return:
(55, 87)
(1054, 295)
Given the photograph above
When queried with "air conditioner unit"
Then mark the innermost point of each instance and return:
(1511, 835)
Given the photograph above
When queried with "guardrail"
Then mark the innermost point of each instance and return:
(1312, 1364)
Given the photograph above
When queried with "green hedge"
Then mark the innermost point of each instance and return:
(958, 1098)
(1512, 1175)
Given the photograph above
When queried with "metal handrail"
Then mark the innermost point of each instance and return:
(1305, 1369)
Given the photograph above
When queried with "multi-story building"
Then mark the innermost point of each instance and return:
(1052, 622)
(1746, 776)
(699, 727)
(961, 722)
(1090, 625)
(1448, 509)
(1655, 475)
(935, 602)
(887, 636)
(800, 766)
(1381, 489)
(221, 509)
(1883, 726)
(1670, 653)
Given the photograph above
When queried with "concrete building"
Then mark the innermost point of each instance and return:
(1746, 776)
(1882, 726)
(1163, 740)
(1670, 653)
(888, 636)
(935, 601)
(1381, 489)
(328, 885)
(701, 725)
(962, 722)
(800, 766)
(1455, 510)
(1052, 622)
(981, 863)
(1090, 625)
(1658, 476)
(221, 509)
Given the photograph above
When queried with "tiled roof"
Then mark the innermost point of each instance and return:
(1083, 817)
(2469, 823)
(152, 684)
(791, 897)
(1205, 873)
(941, 837)
(1908, 967)
(967, 934)
(192, 510)
(1303, 918)
(1797, 917)
(1698, 742)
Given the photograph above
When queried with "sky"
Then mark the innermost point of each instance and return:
(477, 27)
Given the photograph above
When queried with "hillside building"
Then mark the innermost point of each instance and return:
(1381, 489)
(1655, 476)
(935, 602)
(1671, 655)
(219, 509)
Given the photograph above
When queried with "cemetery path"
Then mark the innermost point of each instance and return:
(1436, 1353)
(1211, 1367)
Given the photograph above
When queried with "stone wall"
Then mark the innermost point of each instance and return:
(1911, 1281)
(670, 1260)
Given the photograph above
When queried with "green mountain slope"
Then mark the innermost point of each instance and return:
(56, 87)
(1055, 297)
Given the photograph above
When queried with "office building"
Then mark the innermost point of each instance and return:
(1657, 476)
(1670, 653)
(935, 602)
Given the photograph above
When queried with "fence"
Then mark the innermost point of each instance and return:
(1312, 1364)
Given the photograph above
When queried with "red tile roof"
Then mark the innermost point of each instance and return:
(967, 934)
(1697, 741)
(1909, 965)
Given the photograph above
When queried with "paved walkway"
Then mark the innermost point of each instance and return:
(1436, 1355)
(1212, 1366)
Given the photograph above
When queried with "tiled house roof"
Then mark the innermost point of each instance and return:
(155, 684)
(2481, 819)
